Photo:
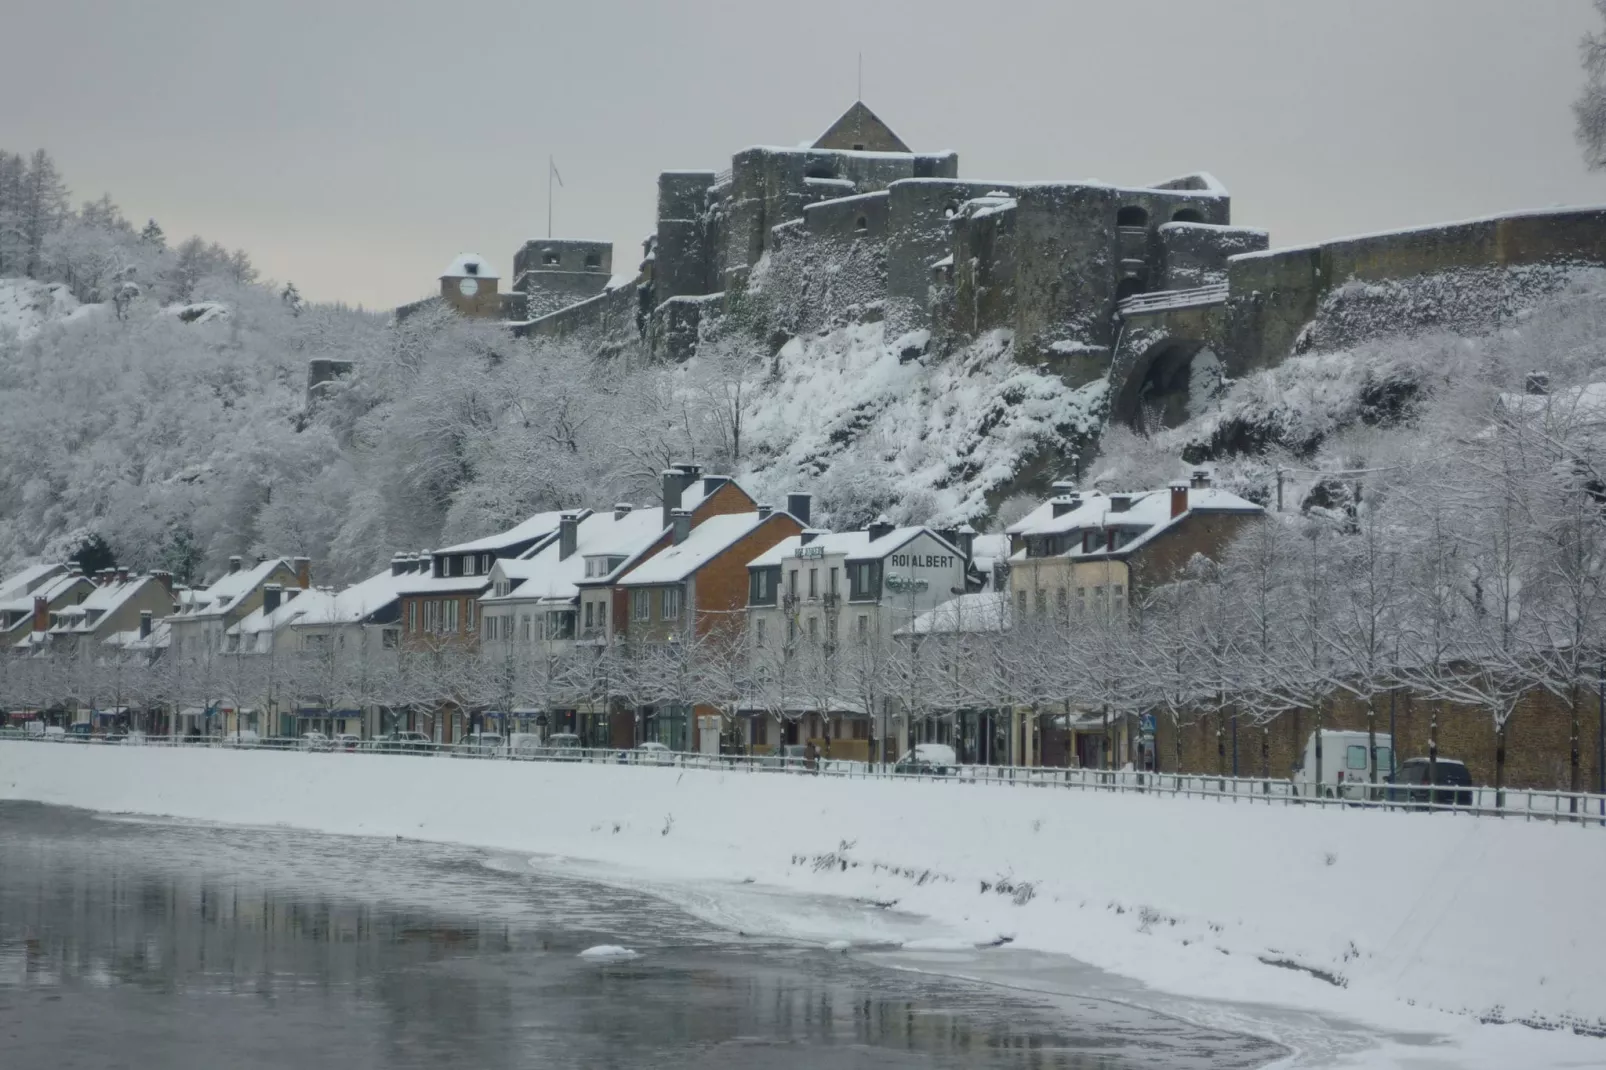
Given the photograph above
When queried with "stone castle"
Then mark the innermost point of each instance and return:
(1146, 287)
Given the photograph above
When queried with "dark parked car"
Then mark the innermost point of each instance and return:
(1410, 783)
(404, 743)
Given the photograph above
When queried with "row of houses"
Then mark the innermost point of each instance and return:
(708, 562)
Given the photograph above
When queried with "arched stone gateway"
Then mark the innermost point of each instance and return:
(1165, 366)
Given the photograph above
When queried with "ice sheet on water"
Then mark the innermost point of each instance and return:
(608, 953)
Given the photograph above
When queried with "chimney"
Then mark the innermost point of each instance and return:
(809, 536)
(1536, 383)
(798, 506)
(569, 534)
(303, 572)
(713, 483)
(680, 520)
(144, 624)
(880, 527)
(621, 510)
(1179, 499)
(1201, 479)
(122, 575)
(1065, 503)
(272, 596)
(290, 595)
(76, 570)
(1063, 488)
(764, 510)
(399, 564)
(1120, 503)
(41, 615)
(967, 542)
(949, 536)
(235, 561)
(675, 483)
(165, 578)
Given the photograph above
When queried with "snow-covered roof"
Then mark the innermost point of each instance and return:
(705, 542)
(1586, 400)
(160, 638)
(987, 611)
(50, 590)
(19, 584)
(1147, 513)
(104, 599)
(543, 576)
(470, 264)
(233, 586)
(1537, 213)
(853, 544)
(537, 526)
(289, 611)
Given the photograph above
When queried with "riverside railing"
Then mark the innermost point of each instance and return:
(1511, 803)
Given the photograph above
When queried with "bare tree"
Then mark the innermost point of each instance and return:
(1590, 108)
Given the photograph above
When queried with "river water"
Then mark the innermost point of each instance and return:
(142, 943)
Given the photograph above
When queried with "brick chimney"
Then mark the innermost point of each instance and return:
(880, 528)
(165, 578)
(569, 535)
(1179, 499)
(680, 520)
(967, 541)
(303, 572)
(41, 616)
(676, 479)
(1201, 478)
(122, 575)
(621, 510)
(764, 510)
(399, 564)
(235, 562)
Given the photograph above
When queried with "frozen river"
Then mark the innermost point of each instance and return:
(132, 943)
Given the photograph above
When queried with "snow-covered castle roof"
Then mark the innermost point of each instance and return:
(472, 265)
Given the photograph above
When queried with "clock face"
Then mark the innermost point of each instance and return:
(468, 287)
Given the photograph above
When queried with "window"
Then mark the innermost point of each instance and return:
(412, 616)
(758, 632)
(1081, 600)
(1132, 216)
(640, 605)
(761, 586)
(791, 583)
(814, 629)
(490, 628)
(1063, 602)
(524, 627)
(589, 612)
(549, 258)
(1020, 604)
(1118, 597)
(473, 568)
(602, 614)
(593, 261)
(830, 629)
(858, 146)
(671, 603)
(469, 609)
(390, 639)
(861, 224)
(791, 629)
(814, 583)
(1187, 215)
(432, 616)
(1355, 757)
(449, 624)
(761, 731)
(862, 625)
(864, 580)
(1042, 602)
(833, 583)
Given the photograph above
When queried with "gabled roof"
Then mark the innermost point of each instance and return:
(703, 543)
(543, 576)
(223, 594)
(21, 583)
(1147, 514)
(856, 545)
(161, 637)
(101, 601)
(50, 590)
(860, 126)
(471, 265)
(987, 611)
(536, 527)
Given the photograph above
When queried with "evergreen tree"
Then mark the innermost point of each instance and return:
(292, 297)
(43, 209)
(13, 255)
(152, 235)
(1590, 107)
(94, 555)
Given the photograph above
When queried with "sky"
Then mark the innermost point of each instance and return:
(357, 146)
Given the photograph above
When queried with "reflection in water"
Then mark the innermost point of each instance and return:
(132, 943)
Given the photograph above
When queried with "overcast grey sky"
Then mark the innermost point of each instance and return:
(356, 146)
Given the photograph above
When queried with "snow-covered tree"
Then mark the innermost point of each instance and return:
(1590, 108)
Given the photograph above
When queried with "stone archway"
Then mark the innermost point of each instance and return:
(1168, 381)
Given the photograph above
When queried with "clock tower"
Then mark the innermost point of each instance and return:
(469, 286)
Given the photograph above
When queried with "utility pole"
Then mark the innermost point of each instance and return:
(551, 173)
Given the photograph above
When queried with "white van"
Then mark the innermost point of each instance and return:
(1344, 764)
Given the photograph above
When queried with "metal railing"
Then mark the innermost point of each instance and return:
(1511, 803)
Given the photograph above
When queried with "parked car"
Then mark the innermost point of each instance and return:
(405, 743)
(1404, 785)
(789, 757)
(80, 732)
(55, 733)
(243, 738)
(563, 746)
(1345, 769)
(315, 741)
(928, 759)
(480, 745)
(347, 741)
(651, 753)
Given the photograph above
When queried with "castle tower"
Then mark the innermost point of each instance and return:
(554, 273)
(469, 286)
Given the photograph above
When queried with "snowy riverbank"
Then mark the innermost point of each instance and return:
(1370, 916)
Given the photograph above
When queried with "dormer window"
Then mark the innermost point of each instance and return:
(549, 258)
(593, 261)
(472, 267)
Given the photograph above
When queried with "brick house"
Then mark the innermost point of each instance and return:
(29, 612)
(695, 587)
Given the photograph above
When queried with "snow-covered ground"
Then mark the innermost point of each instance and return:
(27, 307)
(1401, 932)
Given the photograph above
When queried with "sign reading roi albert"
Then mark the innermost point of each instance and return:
(922, 560)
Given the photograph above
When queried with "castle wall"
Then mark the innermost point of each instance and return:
(1276, 296)
(554, 273)
(983, 267)
(1196, 254)
(611, 319)
(683, 252)
(919, 233)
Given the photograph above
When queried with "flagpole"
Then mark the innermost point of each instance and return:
(550, 167)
